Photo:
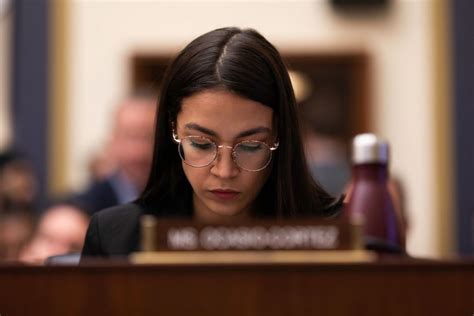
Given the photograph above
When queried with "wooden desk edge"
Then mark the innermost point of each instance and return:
(252, 257)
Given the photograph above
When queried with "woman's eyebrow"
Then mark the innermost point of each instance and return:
(256, 130)
(194, 126)
(252, 131)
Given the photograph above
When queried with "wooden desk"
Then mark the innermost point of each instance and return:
(408, 287)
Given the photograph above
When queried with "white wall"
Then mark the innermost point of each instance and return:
(104, 34)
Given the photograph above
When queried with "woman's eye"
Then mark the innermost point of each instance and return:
(202, 145)
(250, 147)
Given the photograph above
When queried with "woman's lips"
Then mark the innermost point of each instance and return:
(225, 194)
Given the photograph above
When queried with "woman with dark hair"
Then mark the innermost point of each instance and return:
(227, 144)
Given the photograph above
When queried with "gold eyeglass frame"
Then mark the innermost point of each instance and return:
(272, 148)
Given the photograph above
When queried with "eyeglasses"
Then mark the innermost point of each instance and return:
(199, 152)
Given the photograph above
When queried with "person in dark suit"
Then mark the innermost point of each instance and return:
(228, 144)
(130, 153)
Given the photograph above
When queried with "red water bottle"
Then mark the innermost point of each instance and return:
(369, 197)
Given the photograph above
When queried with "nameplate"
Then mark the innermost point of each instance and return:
(171, 235)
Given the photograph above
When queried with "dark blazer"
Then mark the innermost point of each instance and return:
(113, 231)
(98, 196)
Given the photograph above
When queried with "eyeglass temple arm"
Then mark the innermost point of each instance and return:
(275, 146)
(175, 136)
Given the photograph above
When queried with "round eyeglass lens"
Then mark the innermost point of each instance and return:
(197, 151)
(252, 155)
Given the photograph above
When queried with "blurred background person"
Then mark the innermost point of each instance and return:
(325, 127)
(18, 187)
(61, 230)
(15, 231)
(102, 163)
(17, 203)
(128, 159)
(327, 161)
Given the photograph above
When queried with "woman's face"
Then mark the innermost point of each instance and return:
(222, 190)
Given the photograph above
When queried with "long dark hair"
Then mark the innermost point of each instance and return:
(245, 63)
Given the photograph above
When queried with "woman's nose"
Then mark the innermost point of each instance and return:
(224, 166)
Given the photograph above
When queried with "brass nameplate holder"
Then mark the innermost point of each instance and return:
(254, 242)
